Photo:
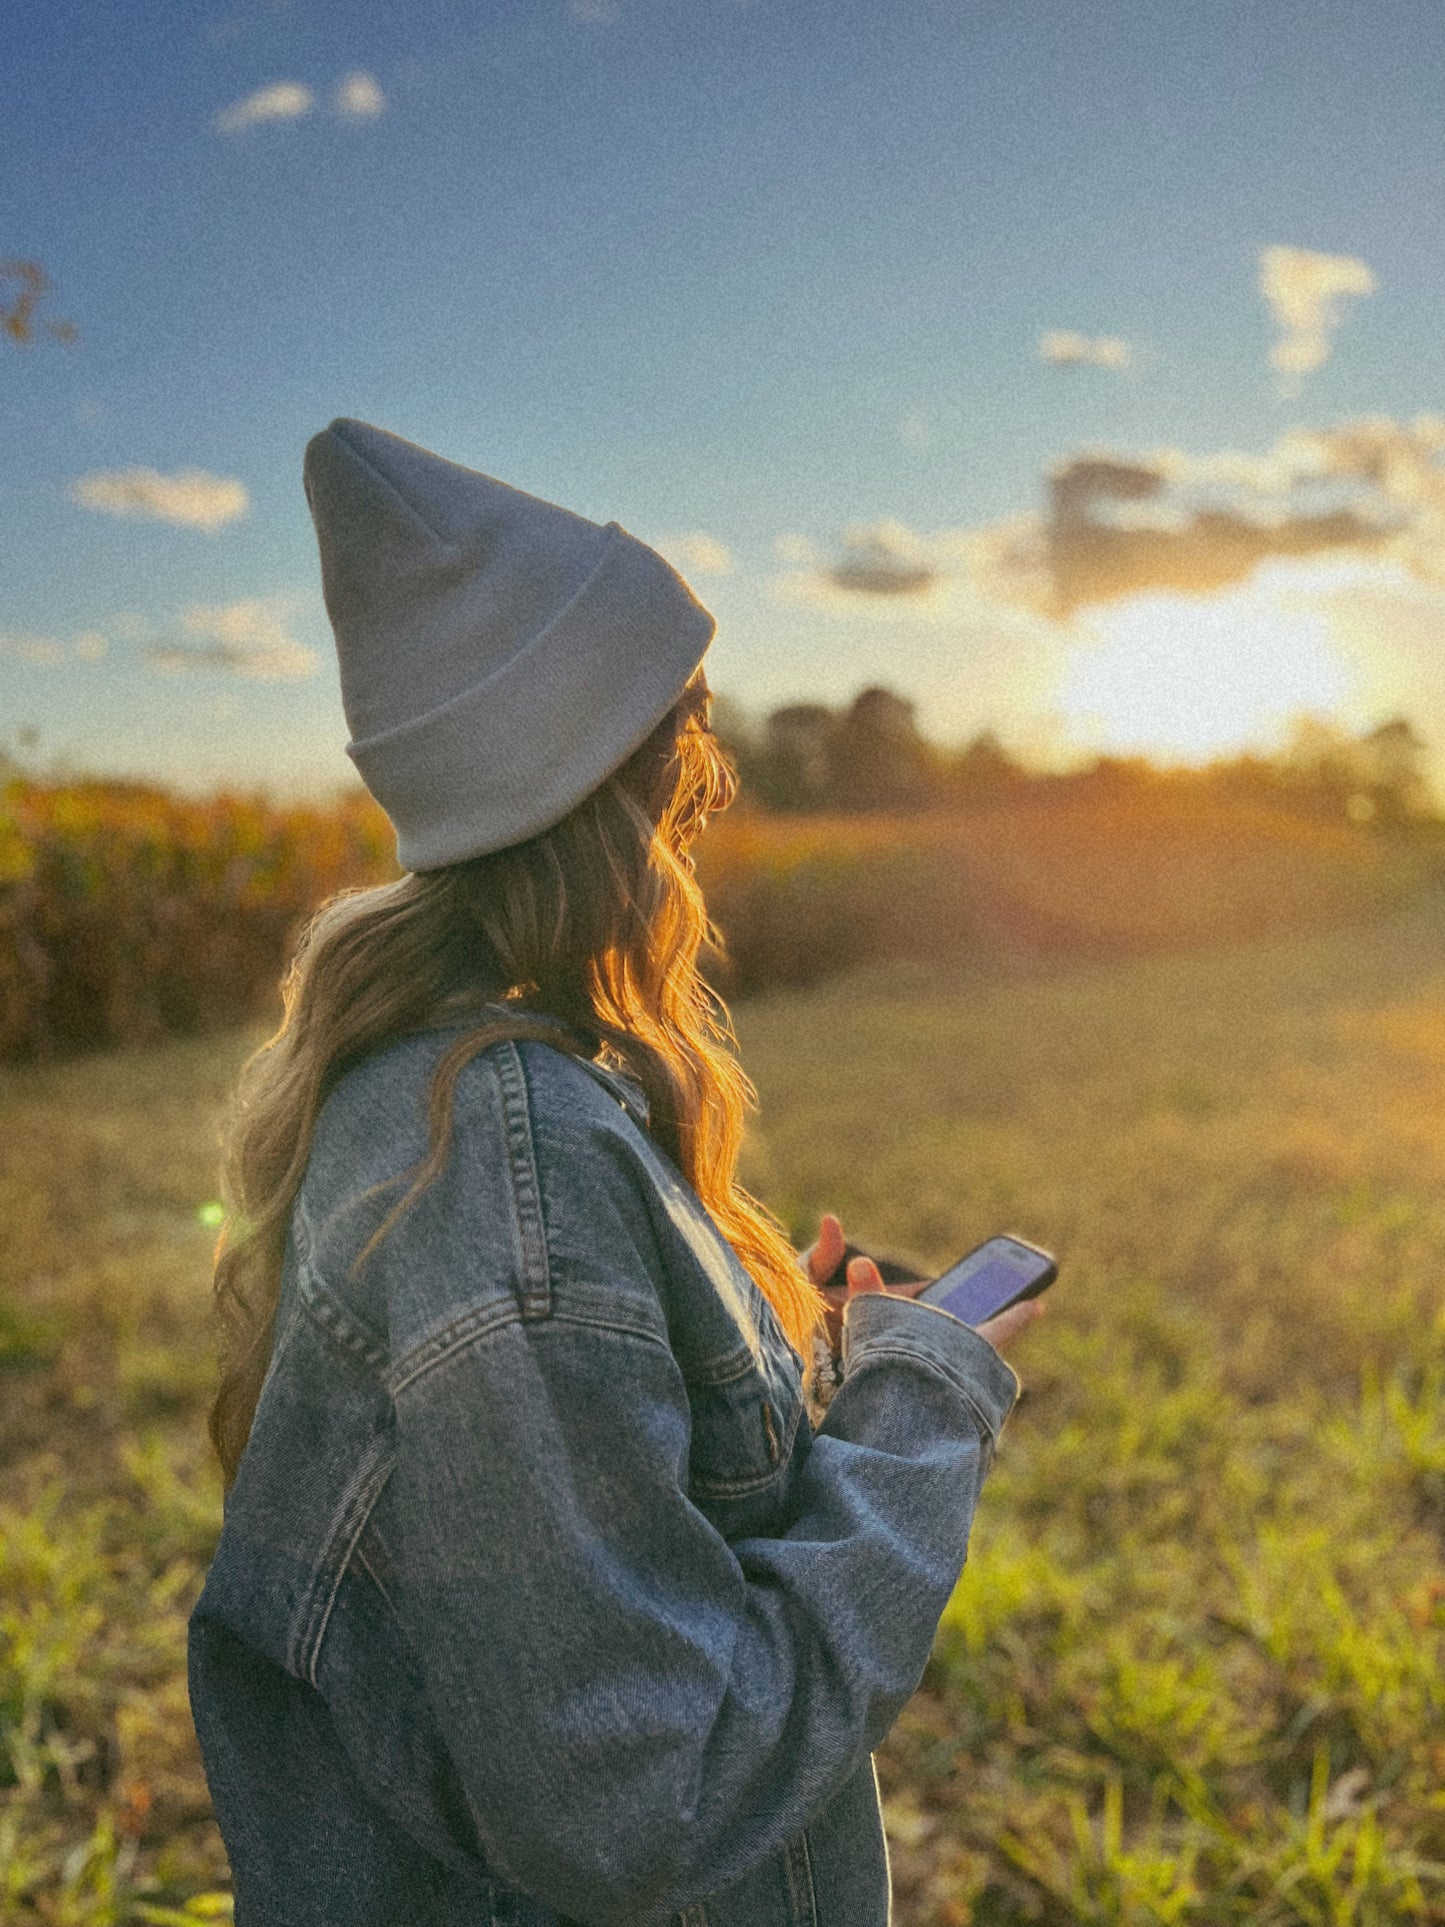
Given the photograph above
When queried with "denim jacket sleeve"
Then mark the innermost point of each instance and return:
(640, 1708)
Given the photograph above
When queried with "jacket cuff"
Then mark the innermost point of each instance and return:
(876, 1323)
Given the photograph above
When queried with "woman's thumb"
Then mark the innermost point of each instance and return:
(863, 1275)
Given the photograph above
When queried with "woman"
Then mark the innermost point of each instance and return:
(539, 1598)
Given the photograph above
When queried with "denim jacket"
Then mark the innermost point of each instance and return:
(538, 1598)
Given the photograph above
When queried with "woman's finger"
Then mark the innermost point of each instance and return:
(864, 1275)
(1002, 1330)
(823, 1255)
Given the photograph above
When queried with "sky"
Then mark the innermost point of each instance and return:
(1075, 370)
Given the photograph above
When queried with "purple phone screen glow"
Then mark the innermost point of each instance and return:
(985, 1281)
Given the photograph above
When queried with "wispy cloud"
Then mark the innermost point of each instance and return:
(247, 638)
(282, 100)
(24, 290)
(1118, 524)
(878, 569)
(358, 96)
(697, 553)
(1304, 292)
(39, 651)
(192, 497)
(801, 551)
(48, 652)
(1066, 349)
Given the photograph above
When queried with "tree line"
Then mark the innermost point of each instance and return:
(872, 756)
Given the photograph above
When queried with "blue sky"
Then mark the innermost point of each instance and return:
(771, 272)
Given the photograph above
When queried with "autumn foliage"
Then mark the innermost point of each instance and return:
(128, 913)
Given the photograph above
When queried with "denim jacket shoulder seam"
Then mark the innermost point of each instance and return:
(938, 1370)
(435, 1350)
(482, 1321)
(528, 1223)
(618, 1326)
(315, 1296)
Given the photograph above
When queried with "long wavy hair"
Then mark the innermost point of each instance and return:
(589, 935)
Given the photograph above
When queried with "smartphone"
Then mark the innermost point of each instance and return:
(986, 1281)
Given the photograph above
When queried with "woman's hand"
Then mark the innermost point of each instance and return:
(863, 1275)
(822, 1260)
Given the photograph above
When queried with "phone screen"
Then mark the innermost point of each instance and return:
(997, 1274)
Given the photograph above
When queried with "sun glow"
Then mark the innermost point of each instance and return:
(1187, 678)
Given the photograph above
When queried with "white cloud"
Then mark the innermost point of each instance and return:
(248, 638)
(799, 550)
(42, 652)
(1067, 349)
(193, 498)
(1304, 291)
(1382, 480)
(1312, 571)
(48, 652)
(1118, 525)
(358, 97)
(883, 569)
(696, 552)
(282, 100)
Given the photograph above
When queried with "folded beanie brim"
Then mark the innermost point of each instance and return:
(463, 779)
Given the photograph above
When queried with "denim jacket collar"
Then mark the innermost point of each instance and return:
(622, 1084)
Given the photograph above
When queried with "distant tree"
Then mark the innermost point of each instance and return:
(983, 770)
(870, 756)
(1248, 778)
(1392, 762)
(736, 731)
(798, 757)
(1319, 761)
(1378, 777)
(20, 760)
(24, 289)
(733, 725)
(879, 760)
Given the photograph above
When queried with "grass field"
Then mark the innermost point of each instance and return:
(1196, 1669)
(130, 914)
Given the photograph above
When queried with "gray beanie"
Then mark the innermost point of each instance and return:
(499, 655)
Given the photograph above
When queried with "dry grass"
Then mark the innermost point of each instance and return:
(1194, 1673)
(128, 914)
(1152, 870)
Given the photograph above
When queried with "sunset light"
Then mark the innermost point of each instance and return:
(1188, 678)
(665, 669)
